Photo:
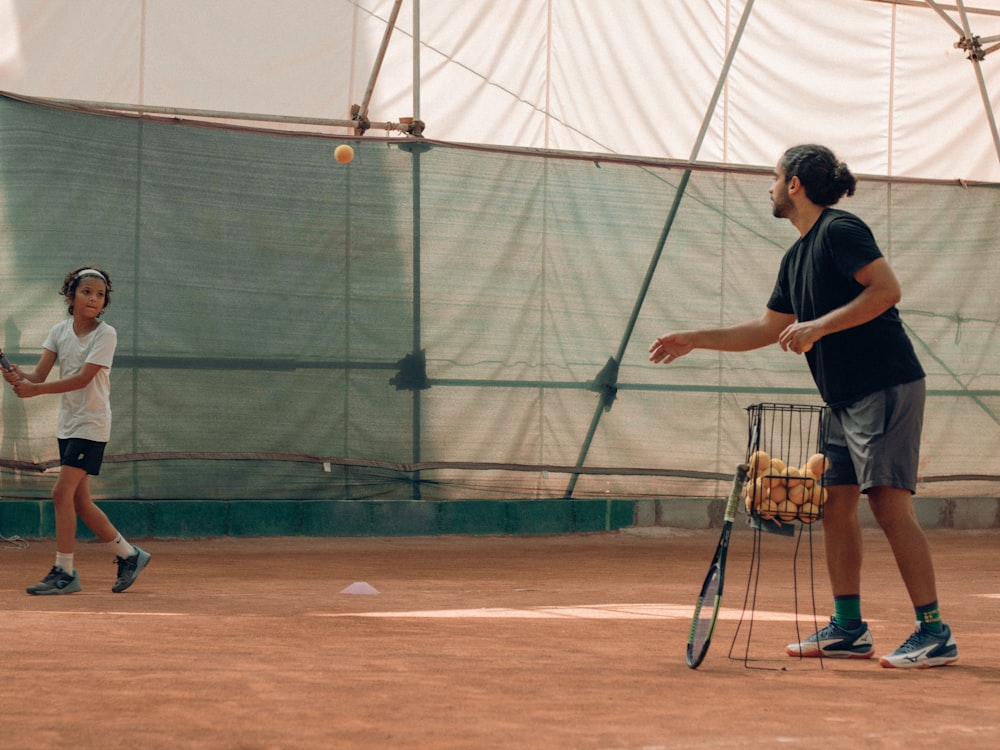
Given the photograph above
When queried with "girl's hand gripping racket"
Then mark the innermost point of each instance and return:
(5, 364)
(706, 610)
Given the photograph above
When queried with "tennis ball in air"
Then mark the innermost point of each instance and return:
(343, 153)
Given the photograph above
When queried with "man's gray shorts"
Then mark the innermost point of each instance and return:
(875, 442)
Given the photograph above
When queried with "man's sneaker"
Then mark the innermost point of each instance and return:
(924, 649)
(58, 581)
(129, 569)
(836, 642)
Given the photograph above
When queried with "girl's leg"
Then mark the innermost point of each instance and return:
(63, 502)
(93, 517)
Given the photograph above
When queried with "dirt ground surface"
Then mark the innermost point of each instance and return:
(496, 642)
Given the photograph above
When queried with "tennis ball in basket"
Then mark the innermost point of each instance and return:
(777, 466)
(787, 510)
(759, 462)
(797, 493)
(768, 509)
(794, 476)
(779, 491)
(818, 496)
(343, 153)
(808, 512)
(817, 464)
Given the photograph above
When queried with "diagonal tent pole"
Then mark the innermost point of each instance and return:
(976, 54)
(606, 381)
(412, 374)
(359, 112)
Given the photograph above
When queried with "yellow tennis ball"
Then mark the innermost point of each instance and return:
(759, 462)
(768, 508)
(808, 512)
(343, 153)
(797, 493)
(787, 510)
(777, 466)
(818, 496)
(817, 464)
(779, 492)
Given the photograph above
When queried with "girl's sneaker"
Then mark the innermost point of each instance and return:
(129, 569)
(58, 581)
(924, 649)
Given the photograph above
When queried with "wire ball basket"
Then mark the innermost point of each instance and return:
(784, 452)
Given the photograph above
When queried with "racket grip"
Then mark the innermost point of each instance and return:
(5, 363)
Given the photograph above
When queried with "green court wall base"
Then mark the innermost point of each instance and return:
(192, 519)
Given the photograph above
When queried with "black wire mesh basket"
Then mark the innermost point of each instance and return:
(784, 453)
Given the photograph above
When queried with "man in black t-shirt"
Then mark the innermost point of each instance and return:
(835, 301)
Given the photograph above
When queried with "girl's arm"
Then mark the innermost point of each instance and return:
(38, 375)
(33, 383)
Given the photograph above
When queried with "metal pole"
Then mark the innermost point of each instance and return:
(415, 492)
(654, 261)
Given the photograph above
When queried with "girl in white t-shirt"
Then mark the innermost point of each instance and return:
(84, 346)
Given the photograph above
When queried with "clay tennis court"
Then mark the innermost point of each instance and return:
(572, 641)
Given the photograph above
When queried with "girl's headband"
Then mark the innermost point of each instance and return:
(91, 272)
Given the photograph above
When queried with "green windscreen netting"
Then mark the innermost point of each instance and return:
(441, 322)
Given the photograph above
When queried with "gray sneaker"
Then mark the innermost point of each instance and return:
(129, 569)
(58, 581)
(924, 649)
(836, 642)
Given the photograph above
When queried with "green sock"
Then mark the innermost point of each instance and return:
(847, 611)
(930, 616)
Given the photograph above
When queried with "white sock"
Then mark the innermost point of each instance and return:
(121, 547)
(64, 560)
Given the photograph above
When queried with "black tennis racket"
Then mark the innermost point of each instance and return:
(706, 610)
(5, 363)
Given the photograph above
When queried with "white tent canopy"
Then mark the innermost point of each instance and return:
(895, 88)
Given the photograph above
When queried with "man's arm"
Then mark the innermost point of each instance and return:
(881, 291)
(741, 337)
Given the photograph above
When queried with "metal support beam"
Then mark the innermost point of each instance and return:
(612, 365)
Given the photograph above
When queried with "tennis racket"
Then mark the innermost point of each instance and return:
(706, 610)
(5, 363)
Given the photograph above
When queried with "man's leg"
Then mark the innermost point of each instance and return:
(893, 510)
(842, 539)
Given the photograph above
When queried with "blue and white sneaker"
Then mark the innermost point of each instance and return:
(129, 569)
(58, 581)
(924, 649)
(836, 642)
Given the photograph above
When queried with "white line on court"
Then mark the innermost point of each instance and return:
(582, 612)
(92, 613)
